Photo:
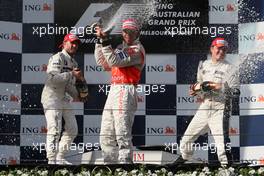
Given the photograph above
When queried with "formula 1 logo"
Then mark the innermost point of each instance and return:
(88, 17)
(126, 10)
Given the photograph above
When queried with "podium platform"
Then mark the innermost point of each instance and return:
(154, 157)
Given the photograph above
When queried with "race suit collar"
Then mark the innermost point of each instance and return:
(217, 62)
(66, 53)
(134, 43)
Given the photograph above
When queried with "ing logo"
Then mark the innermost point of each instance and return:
(10, 36)
(233, 131)
(230, 7)
(170, 130)
(170, 68)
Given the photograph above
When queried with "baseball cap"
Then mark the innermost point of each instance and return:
(130, 24)
(70, 37)
(219, 42)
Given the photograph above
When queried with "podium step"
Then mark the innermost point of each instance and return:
(139, 157)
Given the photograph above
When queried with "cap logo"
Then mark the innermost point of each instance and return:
(72, 36)
(130, 24)
(220, 42)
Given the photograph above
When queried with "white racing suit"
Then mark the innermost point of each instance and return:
(55, 98)
(211, 114)
(126, 63)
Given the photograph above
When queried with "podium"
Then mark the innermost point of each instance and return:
(139, 157)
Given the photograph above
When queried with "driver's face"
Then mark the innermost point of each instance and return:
(129, 36)
(71, 47)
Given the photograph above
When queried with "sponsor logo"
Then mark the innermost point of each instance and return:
(170, 130)
(47, 7)
(159, 130)
(161, 68)
(92, 130)
(12, 98)
(35, 68)
(96, 68)
(138, 157)
(251, 37)
(10, 36)
(34, 130)
(12, 161)
(192, 99)
(260, 98)
(3, 161)
(155, 130)
(38, 7)
(252, 99)
(233, 131)
(223, 8)
(8, 161)
(231, 7)
(170, 68)
(4, 98)
(43, 129)
(261, 161)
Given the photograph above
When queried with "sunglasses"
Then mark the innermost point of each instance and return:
(129, 31)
